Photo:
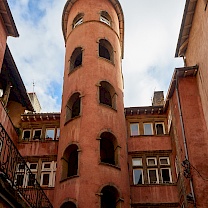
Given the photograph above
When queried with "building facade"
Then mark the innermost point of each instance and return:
(95, 152)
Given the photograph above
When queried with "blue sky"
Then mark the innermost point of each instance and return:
(151, 33)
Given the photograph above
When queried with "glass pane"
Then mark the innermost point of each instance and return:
(165, 175)
(45, 181)
(57, 133)
(134, 129)
(164, 161)
(137, 161)
(31, 179)
(20, 179)
(137, 176)
(151, 161)
(148, 129)
(47, 165)
(152, 176)
(33, 166)
(26, 134)
(50, 133)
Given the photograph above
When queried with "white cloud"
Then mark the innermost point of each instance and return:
(151, 32)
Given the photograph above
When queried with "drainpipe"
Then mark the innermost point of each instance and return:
(184, 136)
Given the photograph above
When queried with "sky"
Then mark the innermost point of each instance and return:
(151, 33)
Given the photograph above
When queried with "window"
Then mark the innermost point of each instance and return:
(156, 170)
(31, 177)
(70, 161)
(1, 93)
(37, 134)
(48, 173)
(68, 205)
(108, 148)
(57, 133)
(134, 129)
(26, 134)
(106, 50)
(21, 175)
(110, 197)
(1, 145)
(50, 134)
(73, 106)
(107, 94)
(105, 18)
(169, 120)
(148, 129)
(76, 59)
(78, 20)
(159, 127)
(137, 171)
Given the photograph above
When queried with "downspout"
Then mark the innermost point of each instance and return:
(184, 136)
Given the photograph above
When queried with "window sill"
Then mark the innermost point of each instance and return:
(153, 184)
(40, 140)
(110, 165)
(108, 106)
(71, 119)
(68, 178)
(107, 60)
(75, 69)
(151, 135)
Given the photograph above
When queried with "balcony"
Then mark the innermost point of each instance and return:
(12, 167)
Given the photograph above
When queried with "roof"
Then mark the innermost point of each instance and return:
(7, 18)
(12, 75)
(186, 25)
(116, 4)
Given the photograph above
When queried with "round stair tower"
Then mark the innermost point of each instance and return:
(92, 156)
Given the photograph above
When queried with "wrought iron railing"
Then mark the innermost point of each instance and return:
(14, 169)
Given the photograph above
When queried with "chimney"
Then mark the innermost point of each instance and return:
(158, 98)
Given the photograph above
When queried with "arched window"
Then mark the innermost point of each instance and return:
(70, 161)
(110, 197)
(105, 18)
(76, 59)
(73, 106)
(108, 148)
(107, 94)
(78, 20)
(106, 50)
(68, 205)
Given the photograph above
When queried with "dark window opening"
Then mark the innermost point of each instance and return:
(105, 18)
(68, 205)
(76, 108)
(159, 129)
(37, 134)
(31, 179)
(109, 197)
(108, 154)
(26, 135)
(166, 176)
(105, 96)
(78, 20)
(70, 161)
(46, 177)
(20, 179)
(106, 50)
(76, 59)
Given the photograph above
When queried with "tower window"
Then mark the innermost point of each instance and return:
(78, 20)
(68, 205)
(105, 18)
(107, 94)
(106, 50)
(76, 59)
(109, 197)
(108, 148)
(70, 161)
(73, 106)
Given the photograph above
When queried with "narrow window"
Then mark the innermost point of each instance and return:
(107, 94)
(32, 175)
(148, 129)
(105, 18)
(73, 106)
(76, 59)
(109, 197)
(37, 134)
(106, 50)
(68, 205)
(137, 171)
(78, 20)
(50, 134)
(159, 127)
(153, 176)
(70, 161)
(26, 134)
(134, 128)
(107, 148)
(165, 175)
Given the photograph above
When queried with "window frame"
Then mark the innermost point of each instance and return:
(163, 126)
(168, 160)
(155, 159)
(50, 138)
(157, 175)
(170, 176)
(152, 132)
(34, 130)
(131, 131)
(27, 139)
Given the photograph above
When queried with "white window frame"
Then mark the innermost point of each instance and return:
(49, 138)
(34, 130)
(168, 160)
(23, 134)
(134, 175)
(157, 176)
(51, 171)
(134, 159)
(163, 125)
(105, 20)
(33, 171)
(78, 22)
(169, 174)
(131, 133)
(155, 159)
(151, 128)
